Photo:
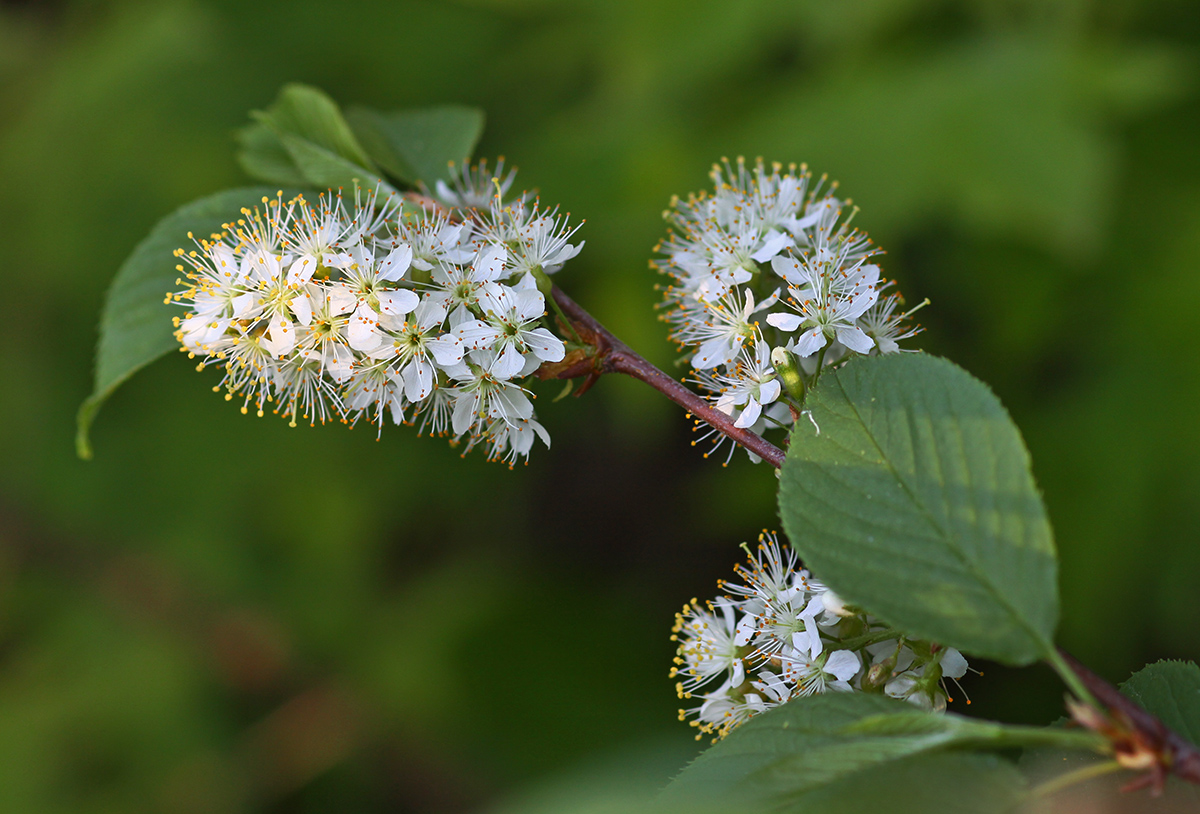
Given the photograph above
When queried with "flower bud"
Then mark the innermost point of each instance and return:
(789, 374)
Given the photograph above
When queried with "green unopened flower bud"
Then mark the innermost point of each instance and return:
(879, 675)
(789, 374)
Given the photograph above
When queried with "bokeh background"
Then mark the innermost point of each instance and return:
(222, 614)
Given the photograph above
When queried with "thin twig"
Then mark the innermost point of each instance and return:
(1177, 755)
(614, 356)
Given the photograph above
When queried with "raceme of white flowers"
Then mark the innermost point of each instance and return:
(343, 311)
(768, 272)
(780, 634)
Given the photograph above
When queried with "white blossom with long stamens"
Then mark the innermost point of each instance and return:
(344, 309)
(780, 635)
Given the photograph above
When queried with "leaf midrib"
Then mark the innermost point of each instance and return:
(969, 566)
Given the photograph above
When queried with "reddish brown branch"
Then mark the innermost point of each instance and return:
(614, 356)
(1172, 753)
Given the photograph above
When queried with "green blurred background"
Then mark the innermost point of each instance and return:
(222, 614)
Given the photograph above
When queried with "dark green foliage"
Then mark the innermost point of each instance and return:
(909, 492)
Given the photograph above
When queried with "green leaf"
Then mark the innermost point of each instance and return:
(303, 137)
(135, 325)
(1169, 690)
(848, 747)
(910, 493)
(418, 145)
(264, 157)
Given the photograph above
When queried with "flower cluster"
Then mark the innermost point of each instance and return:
(780, 634)
(339, 310)
(768, 275)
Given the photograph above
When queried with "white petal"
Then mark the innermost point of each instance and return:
(244, 303)
(844, 664)
(809, 342)
(785, 322)
(429, 313)
(341, 300)
(859, 303)
(528, 302)
(398, 302)
(768, 391)
(302, 270)
(745, 630)
(301, 306)
(790, 269)
(545, 345)
(490, 263)
(446, 349)
(953, 664)
(396, 263)
(511, 403)
(773, 246)
(855, 339)
(464, 413)
(477, 334)
(223, 260)
(508, 364)
(341, 366)
(749, 415)
(282, 335)
(418, 379)
(362, 331)
(718, 351)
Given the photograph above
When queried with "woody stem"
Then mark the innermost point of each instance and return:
(614, 356)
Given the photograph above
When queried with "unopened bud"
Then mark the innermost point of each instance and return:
(789, 374)
(879, 675)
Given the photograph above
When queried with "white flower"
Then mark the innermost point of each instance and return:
(250, 371)
(339, 309)
(324, 339)
(482, 397)
(752, 385)
(720, 329)
(886, 327)
(415, 345)
(545, 242)
(771, 574)
(729, 707)
(782, 635)
(302, 391)
(475, 186)
(366, 283)
(318, 236)
(378, 387)
(458, 286)
(710, 646)
(505, 328)
(514, 439)
(436, 241)
(813, 674)
(829, 299)
(923, 684)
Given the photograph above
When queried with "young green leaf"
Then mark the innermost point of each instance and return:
(135, 325)
(304, 136)
(910, 492)
(263, 156)
(844, 746)
(418, 145)
(1169, 690)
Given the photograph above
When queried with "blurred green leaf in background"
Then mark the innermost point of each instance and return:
(222, 614)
